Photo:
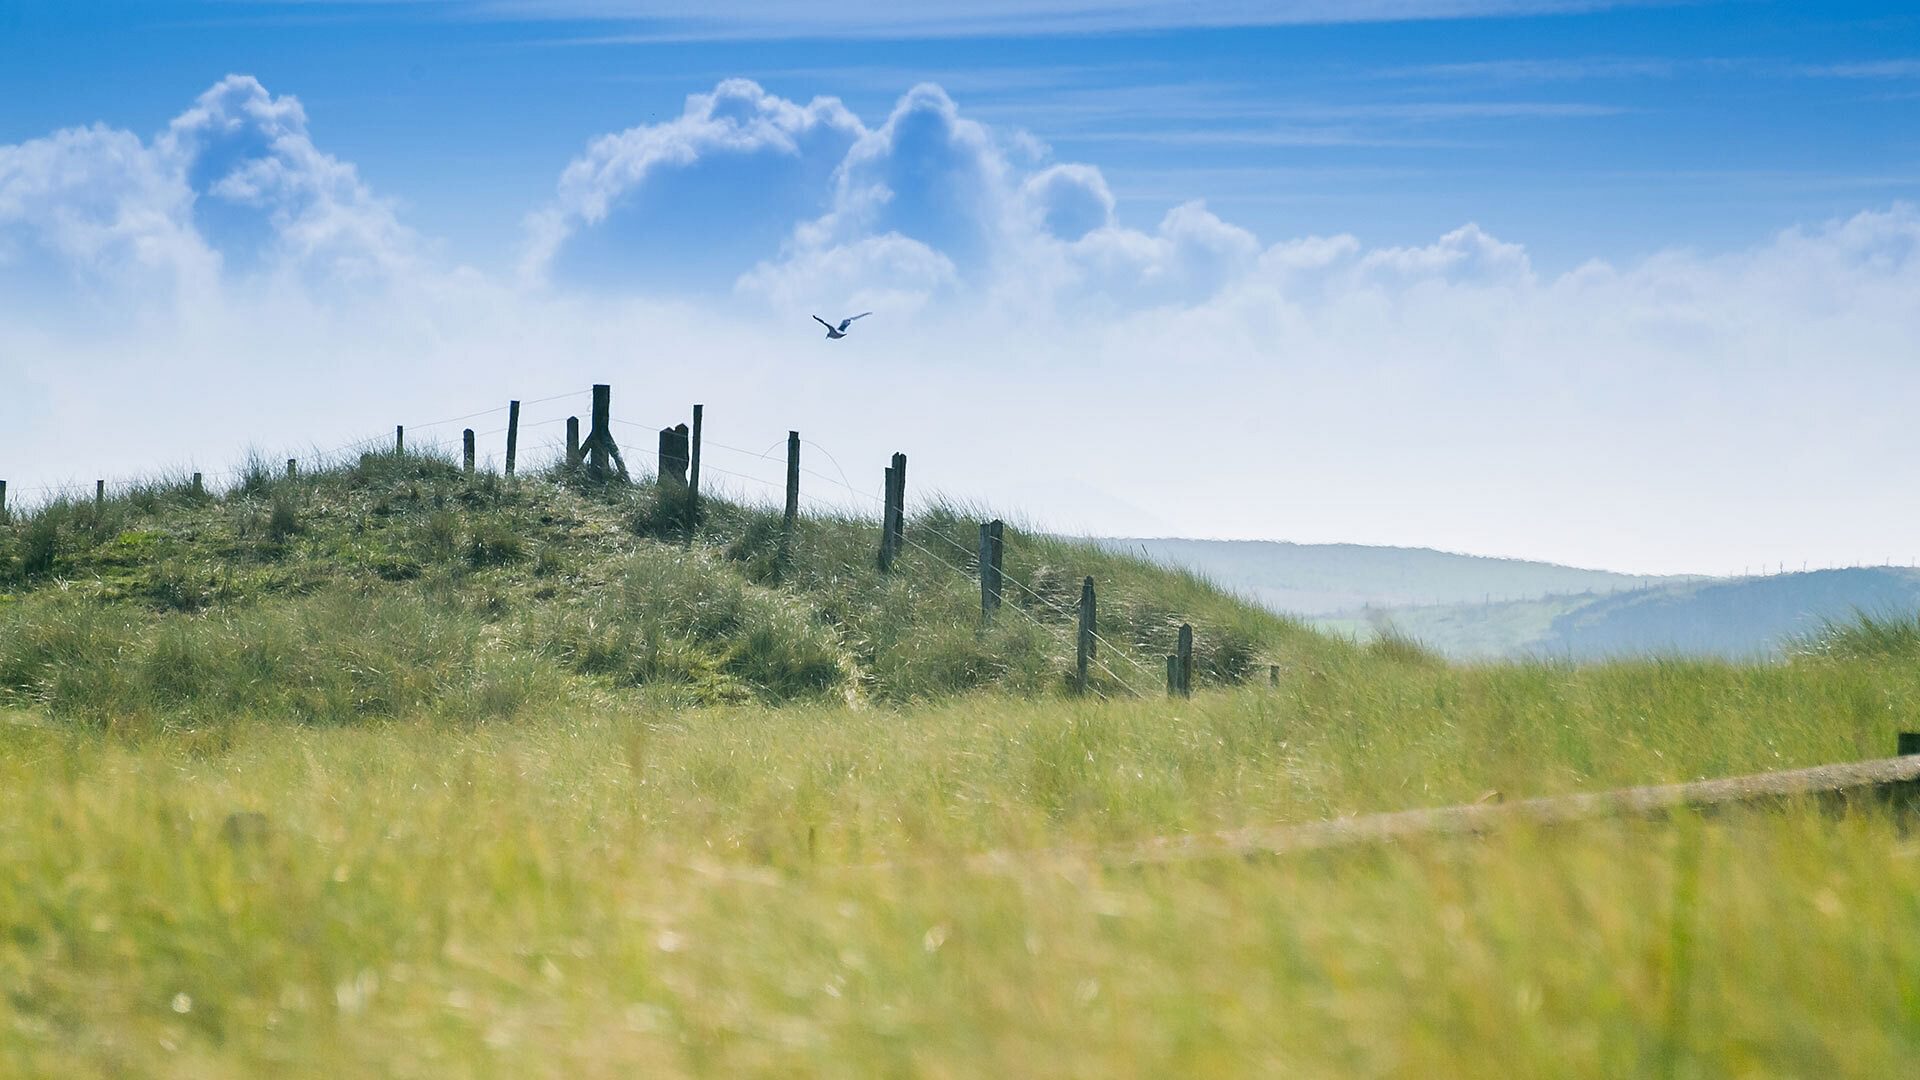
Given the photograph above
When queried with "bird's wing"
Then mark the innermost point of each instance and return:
(823, 322)
(862, 315)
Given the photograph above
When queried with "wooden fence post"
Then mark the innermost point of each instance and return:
(899, 505)
(513, 434)
(399, 439)
(573, 442)
(1273, 676)
(673, 457)
(3, 500)
(99, 494)
(293, 468)
(792, 514)
(1186, 660)
(992, 551)
(199, 488)
(600, 445)
(466, 448)
(693, 472)
(1084, 652)
(886, 523)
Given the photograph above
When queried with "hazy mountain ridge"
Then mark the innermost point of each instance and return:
(1454, 602)
(1327, 579)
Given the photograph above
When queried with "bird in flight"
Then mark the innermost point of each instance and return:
(841, 330)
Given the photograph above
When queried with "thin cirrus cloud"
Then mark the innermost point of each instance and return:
(668, 20)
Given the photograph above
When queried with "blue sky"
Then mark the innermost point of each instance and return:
(1513, 276)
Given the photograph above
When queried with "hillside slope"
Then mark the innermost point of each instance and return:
(394, 583)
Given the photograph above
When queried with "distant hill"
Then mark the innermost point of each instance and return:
(1324, 579)
(1734, 618)
(1474, 607)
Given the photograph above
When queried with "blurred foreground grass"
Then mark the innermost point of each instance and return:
(609, 889)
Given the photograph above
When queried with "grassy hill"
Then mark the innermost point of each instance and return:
(388, 771)
(396, 583)
(1325, 579)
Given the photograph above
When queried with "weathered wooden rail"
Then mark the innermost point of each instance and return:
(1887, 781)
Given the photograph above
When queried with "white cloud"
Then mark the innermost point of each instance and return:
(1686, 411)
(737, 119)
(234, 182)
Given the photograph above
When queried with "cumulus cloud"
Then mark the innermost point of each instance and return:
(233, 183)
(1657, 414)
(739, 123)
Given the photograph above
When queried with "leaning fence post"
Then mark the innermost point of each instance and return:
(513, 434)
(693, 472)
(1186, 660)
(573, 442)
(792, 514)
(466, 448)
(1084, 652)
(399, 439)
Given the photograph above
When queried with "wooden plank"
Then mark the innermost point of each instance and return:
(1885, 782)
(1896, 778)
(573, 442)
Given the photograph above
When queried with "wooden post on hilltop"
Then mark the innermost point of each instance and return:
(573, 442)
(886, 523)
(673, 458)
(399, 439)
(3, 500)
(792, 515)
(466, 450)
(1083, 654)
(599, 446)
(899, 537)
(513, 435)
(1185, 657)
(992, 552)
(199, 488)
(99, 494)
(693, 472)
(293, 468)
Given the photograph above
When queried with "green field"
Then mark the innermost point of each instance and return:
(541, 792)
